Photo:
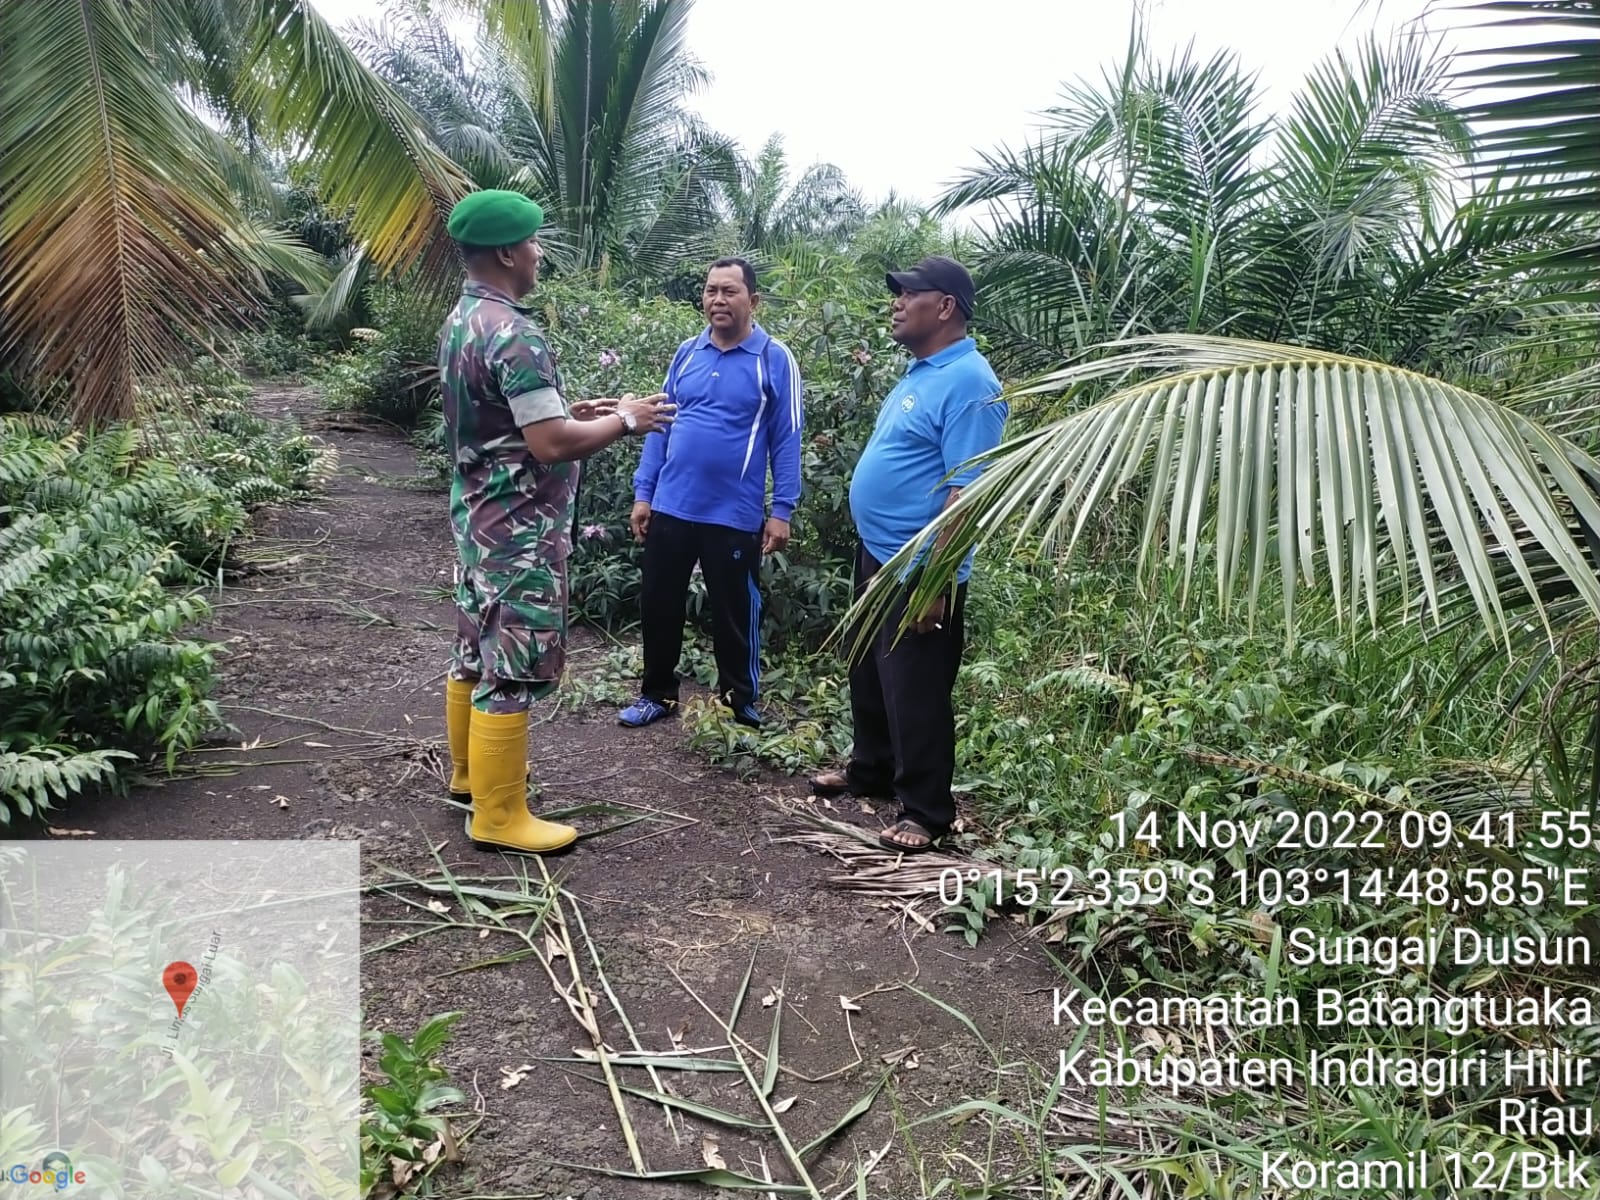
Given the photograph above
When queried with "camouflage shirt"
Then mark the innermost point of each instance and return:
(508, 510)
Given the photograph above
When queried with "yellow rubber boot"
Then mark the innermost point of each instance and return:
(457, 721)
(498, 754)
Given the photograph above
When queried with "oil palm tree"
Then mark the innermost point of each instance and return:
(1402, 494)
(1547, 134)
(1161, 200)
(767, 212)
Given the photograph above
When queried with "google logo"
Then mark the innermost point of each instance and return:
(55, 1171)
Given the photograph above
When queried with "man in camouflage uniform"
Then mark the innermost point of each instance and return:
(517, 447)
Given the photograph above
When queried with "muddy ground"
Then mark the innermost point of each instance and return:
(336, 649)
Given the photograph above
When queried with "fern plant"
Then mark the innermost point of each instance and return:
(102, 538)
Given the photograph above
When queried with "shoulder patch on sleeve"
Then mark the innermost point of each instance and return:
(542, 404)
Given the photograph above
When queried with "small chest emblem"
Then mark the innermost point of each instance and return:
(908, 404)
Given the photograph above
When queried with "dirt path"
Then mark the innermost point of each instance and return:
(334, 674)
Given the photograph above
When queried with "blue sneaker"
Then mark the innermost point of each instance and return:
(643, 711)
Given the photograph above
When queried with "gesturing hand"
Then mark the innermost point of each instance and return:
(639, 519)
(653, 413)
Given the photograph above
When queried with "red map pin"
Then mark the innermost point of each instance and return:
(179, 978)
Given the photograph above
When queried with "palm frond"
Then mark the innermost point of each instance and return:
(682, 225)
(1547, 131)
(266, 253)
(325, 307)
(1344, 471)
(365, 144)
(869, 869)
(529, 29)
(114, 211)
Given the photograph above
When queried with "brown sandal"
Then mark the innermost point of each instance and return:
(839, 783)
(906, 825)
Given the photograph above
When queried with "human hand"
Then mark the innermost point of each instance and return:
(775, 536)
(932, 618)
(653, 413)
(639, 519)
(588, 410)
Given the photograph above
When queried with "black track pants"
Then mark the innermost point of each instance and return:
(730, 561)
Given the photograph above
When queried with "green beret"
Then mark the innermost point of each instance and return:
(494, 218)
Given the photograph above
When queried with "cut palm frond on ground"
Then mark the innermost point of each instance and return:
(871, 869)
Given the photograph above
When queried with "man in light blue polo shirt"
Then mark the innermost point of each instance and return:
(942, 413)
(700, 494)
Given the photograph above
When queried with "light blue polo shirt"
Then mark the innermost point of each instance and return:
(941, 413)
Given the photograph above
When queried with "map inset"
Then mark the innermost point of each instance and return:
(180, 1019)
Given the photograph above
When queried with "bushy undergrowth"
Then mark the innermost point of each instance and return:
(282, 345)
(392, 371)
(1088, 711)
(1087, 705)
(607, 344)
(104, 537)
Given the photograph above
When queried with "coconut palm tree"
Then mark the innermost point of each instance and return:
(124, 236)
(126, 231)
(581, 107)
(601, 121)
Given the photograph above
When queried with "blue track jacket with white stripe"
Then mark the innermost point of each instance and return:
(739, 411)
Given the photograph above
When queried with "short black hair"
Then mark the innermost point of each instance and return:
(749, 271)
(472, 254)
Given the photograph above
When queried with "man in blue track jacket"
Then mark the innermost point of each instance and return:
(700, 493)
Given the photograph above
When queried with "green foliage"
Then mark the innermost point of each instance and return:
(403, 1133)
(1163, 200)
(1124, 707)
(803, 695)
(102, 537)
(606, 344)
(393, 372)
(282, 345)
(578, 105)
(835, 322)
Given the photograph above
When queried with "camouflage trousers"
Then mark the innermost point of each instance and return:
(511, 624)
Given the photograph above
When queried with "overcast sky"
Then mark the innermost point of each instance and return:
(857, 82)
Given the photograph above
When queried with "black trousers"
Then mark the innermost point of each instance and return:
(730, 561)
(905, 726)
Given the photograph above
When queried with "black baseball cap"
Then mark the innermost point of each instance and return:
(936, 273)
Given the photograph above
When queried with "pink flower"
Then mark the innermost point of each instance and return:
(591, 532)
(863, 357)
(609, 358)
